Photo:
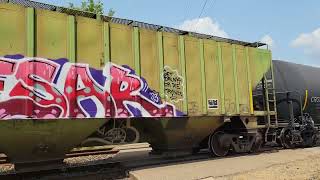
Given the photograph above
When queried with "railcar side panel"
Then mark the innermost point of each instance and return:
(13, 29)
(173, 79)
(52, 34)
(229, 79)
(89, 42)
(242, 76)
(212, 78)
(260, 61)
(121, 41)
(149, 61)
(193, 76)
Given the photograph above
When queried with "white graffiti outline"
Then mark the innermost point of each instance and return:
(137, 93)
(59, 86)
(13, 81)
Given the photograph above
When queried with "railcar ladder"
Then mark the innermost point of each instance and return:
(270, 107)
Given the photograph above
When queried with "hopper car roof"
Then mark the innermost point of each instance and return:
(128, 22)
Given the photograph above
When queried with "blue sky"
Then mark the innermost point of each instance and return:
(291, 27)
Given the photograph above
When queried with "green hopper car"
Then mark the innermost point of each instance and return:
(69, 78)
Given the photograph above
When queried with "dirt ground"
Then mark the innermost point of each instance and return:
(308, 169)
(298, 164)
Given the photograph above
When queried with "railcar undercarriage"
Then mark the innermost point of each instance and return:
(299, 132)
(116, 131)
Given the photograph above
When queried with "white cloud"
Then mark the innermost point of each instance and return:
(203, 25)
(268, 40)
(309, 42)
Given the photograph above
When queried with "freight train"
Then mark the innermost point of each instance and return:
(70, 78)
(297, 103)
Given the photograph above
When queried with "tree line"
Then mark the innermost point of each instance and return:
(92, 6)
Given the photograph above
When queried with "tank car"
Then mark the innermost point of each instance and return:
(297, 103)
(66, 73)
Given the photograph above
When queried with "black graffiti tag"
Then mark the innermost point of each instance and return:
(173, 84)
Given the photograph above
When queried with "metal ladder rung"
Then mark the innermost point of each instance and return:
(265, 126)
(270, 99)
(272, 113)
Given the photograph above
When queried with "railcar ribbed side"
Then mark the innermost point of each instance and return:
(66, 74)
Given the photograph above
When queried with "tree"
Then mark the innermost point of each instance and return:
(92, 6)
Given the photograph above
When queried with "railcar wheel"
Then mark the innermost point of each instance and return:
(308, 136)
(115, 136)
(219, 145)
(257, 143)
(286, 138)
(132, 135)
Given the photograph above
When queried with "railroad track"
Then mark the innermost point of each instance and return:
(90, 151)
(117, 167)
(4, 158)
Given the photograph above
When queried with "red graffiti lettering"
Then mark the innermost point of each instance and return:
(44, 89)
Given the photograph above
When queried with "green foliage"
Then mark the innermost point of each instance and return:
(92, 6)
(111, 12)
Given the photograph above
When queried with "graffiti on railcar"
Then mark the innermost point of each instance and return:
(42, 89)
(173, 85)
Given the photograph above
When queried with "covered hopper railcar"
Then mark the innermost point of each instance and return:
(65, 73)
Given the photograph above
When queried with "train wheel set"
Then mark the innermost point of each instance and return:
(70, 78)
